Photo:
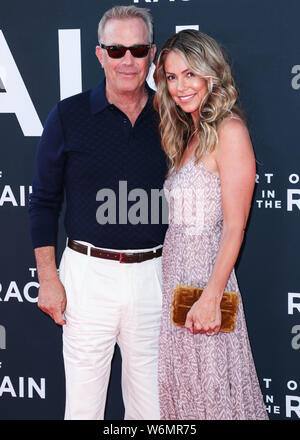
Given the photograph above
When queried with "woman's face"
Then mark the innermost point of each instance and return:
(186, 88)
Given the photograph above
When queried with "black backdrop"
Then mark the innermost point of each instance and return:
(262, 38)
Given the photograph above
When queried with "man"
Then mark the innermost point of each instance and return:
(103, 146)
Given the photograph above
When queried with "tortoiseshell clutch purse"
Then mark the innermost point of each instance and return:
(185, 296)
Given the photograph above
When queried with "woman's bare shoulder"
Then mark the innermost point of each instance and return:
(231, 122)
(233, 136)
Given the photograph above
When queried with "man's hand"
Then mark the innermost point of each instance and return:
(52, 300)
(52, 294)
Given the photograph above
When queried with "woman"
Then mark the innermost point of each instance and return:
(204, 373)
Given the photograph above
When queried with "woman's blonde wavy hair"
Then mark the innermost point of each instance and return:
(204, 57)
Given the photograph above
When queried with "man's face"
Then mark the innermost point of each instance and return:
(127, 74)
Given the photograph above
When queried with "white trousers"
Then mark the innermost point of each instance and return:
(107, 303)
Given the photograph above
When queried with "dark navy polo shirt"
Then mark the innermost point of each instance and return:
(110, 172)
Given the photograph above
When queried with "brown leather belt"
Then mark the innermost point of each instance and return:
(122, 257)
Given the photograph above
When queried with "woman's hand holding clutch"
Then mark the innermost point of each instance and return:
(205, 315)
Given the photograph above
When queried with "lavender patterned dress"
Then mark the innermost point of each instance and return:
(201, 377)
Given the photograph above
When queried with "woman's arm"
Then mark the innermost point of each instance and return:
(236, 166)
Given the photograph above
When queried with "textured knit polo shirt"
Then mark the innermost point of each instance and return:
(110, 172)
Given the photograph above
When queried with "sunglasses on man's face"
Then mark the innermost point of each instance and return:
(137, 51)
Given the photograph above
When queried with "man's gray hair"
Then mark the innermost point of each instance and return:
(121, 12)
